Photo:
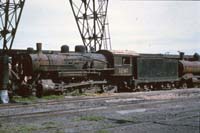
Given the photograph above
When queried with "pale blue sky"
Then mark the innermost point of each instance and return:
(142, 26)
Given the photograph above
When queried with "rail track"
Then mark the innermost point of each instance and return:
(76, 110)
(76, 105)
(51, 102)
(64, 102)
(82, 104)
(68, 99)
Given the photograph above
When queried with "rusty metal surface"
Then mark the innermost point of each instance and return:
(67, 62)
(190, 67)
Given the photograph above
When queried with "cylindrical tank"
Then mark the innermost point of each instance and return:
(189, 67)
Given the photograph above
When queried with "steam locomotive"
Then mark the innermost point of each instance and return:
(122, 71)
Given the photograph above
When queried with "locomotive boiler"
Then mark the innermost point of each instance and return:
(63, 64)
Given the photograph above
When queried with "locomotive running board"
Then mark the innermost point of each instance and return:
(85, 83)
(75, 74)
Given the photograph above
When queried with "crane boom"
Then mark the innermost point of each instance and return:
(92, 22)
(10, 14)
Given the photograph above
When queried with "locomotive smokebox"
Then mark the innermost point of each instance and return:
(39, 47)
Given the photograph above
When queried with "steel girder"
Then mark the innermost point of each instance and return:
(91, 19)
(10, 14)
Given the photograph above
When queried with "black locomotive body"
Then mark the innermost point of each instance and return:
(61, 71)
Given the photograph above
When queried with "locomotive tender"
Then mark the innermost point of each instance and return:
(40, 72)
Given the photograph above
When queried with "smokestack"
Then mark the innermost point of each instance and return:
(39, 47)
(182, 55)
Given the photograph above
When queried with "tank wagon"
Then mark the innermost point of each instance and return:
(58, 72)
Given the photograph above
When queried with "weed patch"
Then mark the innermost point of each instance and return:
(25, 99)
(53, 97)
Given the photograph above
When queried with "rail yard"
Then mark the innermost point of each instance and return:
(93, 88)
(38, 72)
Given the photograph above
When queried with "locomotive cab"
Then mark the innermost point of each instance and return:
(120, 61)
(122, 64)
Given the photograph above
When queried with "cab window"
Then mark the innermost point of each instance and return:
(126, 60)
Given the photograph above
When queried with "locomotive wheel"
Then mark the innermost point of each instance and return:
(121, 87)
(137, 88)
(173, 86)
(196, 86)
(162, 86)
(184, 85)
(168, 86)
(177, 85)
(108, 88)
(146, 88)
(190, 83)
(151, 87)
(24, 91)
(39, 91)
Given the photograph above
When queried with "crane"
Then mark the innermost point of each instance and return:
(10, 14)
(92, 22)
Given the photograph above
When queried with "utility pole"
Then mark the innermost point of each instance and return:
(92, 22)
(10, 14)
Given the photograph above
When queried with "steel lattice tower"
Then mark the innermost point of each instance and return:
(10, 14)
(92, 22)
